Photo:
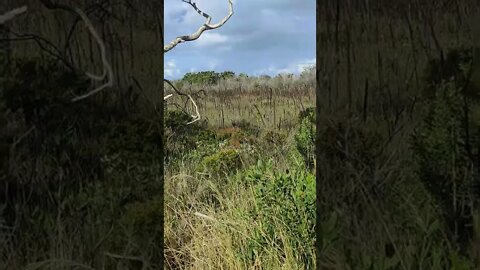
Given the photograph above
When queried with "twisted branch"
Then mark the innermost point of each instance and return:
(195, 116)
(203, 28)
(206, 26)
(107, 69)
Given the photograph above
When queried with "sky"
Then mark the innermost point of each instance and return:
(263, 37)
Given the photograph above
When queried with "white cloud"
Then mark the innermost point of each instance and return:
(301, 66)
(211, 39)
(171, 69)
(295, 67)
(269, 36)
(212, 64)
(176, 11)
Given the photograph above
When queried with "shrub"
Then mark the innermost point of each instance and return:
(305, 137)
(343, 141)
(202, 77)
(439, 149)
(181, 138)
(290, 196)
(274, 137)
(145, 217)
(64, 138)
(223, 161)
(248, 127)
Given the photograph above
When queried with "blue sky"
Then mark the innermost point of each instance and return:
(262, 37)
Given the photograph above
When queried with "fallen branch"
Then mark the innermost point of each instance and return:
(196, 116)
(204, 216)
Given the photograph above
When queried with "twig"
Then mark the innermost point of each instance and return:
(117, 256)
(205, 216)
(54, 52)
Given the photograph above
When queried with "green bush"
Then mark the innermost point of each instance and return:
(305, 137)
(289, 195)
(206, 77)
(246, 126)
(145, 217)
(182, 138)
(456, 67)
(42, 91)
(223, 161)
(443, 145)
(274, 137)
(64, 136)
(439, 149)
(350, 141)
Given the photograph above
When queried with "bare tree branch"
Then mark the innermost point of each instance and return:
(12, 13)
(195, 116)
(51, 49)
(198, 33)
(194, 36)
(107, 69)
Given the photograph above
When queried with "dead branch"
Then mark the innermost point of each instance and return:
(203, 28)
(180, 39)
(107, 69)
(12, 13)
(44, 44)
(195, 116)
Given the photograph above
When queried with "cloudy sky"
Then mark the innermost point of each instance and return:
(262, 37)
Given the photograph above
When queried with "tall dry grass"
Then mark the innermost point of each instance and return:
(221, 208)
(375, 71)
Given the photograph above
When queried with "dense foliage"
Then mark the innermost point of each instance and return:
(64, 162)
(207, 77)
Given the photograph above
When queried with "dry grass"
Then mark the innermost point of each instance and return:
(270, 103)
(207, 220)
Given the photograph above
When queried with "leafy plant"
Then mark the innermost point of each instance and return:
(182, 138)
(305, 137)
(439, 149)
(224, 161)
(206, 77)
(288, 195)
